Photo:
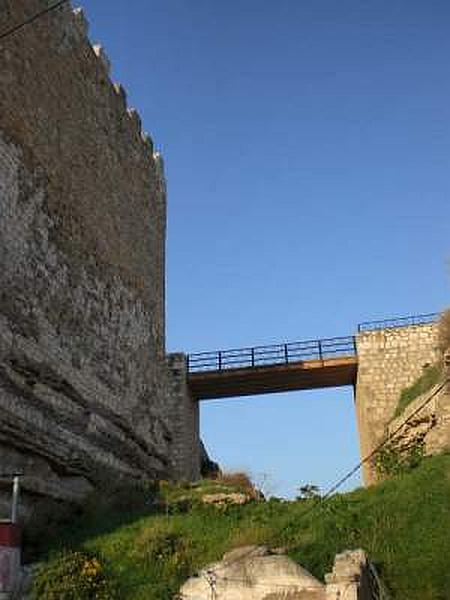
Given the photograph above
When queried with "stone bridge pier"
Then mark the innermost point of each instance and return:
(388, 361)
(184, 415)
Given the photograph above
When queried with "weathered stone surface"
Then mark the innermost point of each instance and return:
(222, 498)
(425, 421)
(83, 378)
(184, 415)
(388, 361)
(254, 573)
(350, 578)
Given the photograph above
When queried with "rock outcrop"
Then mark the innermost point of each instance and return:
(256, 573)
(224, 499)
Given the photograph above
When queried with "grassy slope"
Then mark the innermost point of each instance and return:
(403, 524)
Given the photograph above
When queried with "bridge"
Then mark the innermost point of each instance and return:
(275, 368)
(310, 364)
(380, 360)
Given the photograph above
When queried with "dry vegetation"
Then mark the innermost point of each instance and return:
(444, 331)
(239, 480)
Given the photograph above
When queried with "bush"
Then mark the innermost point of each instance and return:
(239, 480)
(166, 557)
(308, 491)
(393, 459)
(75, 576)
(164, 547)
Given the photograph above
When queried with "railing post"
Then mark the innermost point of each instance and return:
(220, 360)
(320, 350)
(187, 363)
(286, 353)
(15, 499)
(253, 357)
(354, 344)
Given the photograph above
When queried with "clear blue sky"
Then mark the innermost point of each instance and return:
(307, 150)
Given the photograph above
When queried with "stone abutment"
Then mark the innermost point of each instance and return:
(388, 361)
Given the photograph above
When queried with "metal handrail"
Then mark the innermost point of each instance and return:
(273, 354)
(276, 354)
(399, 322)
(15, 477)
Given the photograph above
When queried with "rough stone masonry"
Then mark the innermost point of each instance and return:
(82, 238)
(389, 360)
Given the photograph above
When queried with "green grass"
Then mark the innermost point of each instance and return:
(403, 524)
(429, 378)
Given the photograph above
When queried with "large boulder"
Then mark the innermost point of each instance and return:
(254, 573)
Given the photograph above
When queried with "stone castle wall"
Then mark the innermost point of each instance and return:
(388, 361)
(82, 235)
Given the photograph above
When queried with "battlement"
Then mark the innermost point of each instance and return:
(81, 24)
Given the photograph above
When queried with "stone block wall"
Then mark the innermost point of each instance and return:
(83, 380)
(388, 361)
(184, 415)
(350, 578)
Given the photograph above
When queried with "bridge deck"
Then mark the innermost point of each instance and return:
(308, 374)
(309, 364)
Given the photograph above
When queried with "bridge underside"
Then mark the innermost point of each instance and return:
(302, 375)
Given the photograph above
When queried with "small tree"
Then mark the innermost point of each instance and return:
(308, 492)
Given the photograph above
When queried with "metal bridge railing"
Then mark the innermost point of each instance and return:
(272, 355)
(399, 322)
(278, 354)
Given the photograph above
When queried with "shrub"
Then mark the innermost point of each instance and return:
(239, 480)
(165, 555)
(163, 546)
(75, 576)
(308, 491)
(394, 459)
